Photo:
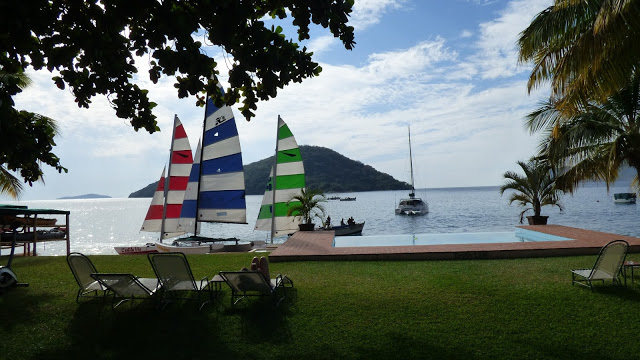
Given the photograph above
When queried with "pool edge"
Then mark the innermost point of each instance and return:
(317, 246)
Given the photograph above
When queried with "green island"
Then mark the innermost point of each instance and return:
(467, 309)
(325, 169)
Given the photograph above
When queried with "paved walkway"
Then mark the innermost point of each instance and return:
(317, 245)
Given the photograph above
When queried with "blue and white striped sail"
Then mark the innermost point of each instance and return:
(216, 190)
(187, 222)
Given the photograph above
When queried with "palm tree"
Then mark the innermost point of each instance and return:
(587, 48)
(9, 184)
(307, 205)
(536, 188)
(41, 131)
(594, 143)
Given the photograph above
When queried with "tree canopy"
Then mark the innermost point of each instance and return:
(91, 48)
(586, 49)
(594, 143)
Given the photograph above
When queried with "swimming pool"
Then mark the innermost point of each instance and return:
(520, 235)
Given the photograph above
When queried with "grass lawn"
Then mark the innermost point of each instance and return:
(469, 309)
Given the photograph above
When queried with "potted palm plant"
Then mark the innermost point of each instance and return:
(307, 205)
(533, 190)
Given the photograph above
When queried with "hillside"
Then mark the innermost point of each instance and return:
(146, 191)
(325, 169)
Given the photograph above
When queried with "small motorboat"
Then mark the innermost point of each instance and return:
(624, 198)
(348, 229)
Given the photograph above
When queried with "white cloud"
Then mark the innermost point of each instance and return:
(368, 12)
(403, 63)
(322, 44)
(497, 56)
(466, 34)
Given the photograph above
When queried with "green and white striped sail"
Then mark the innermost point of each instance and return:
(289, 181)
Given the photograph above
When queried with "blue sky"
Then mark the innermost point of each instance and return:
(447, 68)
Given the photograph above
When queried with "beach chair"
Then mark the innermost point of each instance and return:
(82, 268)
(176, 279)
(245, 283)
(126, 287)
(607, 267)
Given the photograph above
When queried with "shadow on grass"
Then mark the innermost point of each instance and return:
(178, 331)
(19, 308)
(139, 330)
(629, 293)
(263, 320)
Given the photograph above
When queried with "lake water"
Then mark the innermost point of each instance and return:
(97, 225)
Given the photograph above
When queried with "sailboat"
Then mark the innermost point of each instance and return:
(215, 191)
(286, 180)
(166, 204)
(412, 205)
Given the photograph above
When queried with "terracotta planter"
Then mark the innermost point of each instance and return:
(307, 227)
(537, 220)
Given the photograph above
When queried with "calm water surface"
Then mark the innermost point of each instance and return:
(97, 225)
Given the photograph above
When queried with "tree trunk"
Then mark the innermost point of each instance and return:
(537, 209)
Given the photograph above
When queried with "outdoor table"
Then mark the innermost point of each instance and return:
(629, 264)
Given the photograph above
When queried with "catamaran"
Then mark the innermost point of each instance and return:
(286, 180)
(166, 204)
(215, 191)
(412, 205)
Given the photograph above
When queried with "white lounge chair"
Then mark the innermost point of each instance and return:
(246, 283)
(175, 277)
(607, 267)
(127, 287)
(82, 268)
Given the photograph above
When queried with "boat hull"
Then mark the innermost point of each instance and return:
(189, 249)
(412, 206)
(411, 212)
(630, 201)
(347, 230)
(624, 198)
(194, 247)
(136, 250)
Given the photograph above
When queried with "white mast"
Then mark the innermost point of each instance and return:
(275, 170)
(413, 190)
(167, 179)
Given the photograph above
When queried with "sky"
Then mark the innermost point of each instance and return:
(448, 69)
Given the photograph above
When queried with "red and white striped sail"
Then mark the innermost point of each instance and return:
(166, 205)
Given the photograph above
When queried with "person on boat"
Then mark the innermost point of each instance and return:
(328, 223)
(342, 222)
(351, 221)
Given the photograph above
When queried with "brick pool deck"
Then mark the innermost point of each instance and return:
(317, 245)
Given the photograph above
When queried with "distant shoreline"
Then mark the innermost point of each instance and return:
(86, 196)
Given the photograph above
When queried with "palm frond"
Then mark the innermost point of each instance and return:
(9, 184)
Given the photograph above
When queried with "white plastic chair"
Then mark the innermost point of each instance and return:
(607, 267)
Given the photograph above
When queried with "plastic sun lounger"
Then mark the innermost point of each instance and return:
(175, 277)
(126, 286)
(82, 268)
(253, 283)
(607, 267)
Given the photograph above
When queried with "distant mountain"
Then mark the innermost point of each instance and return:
(86, 196)
(325, 169)
(146, 191)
